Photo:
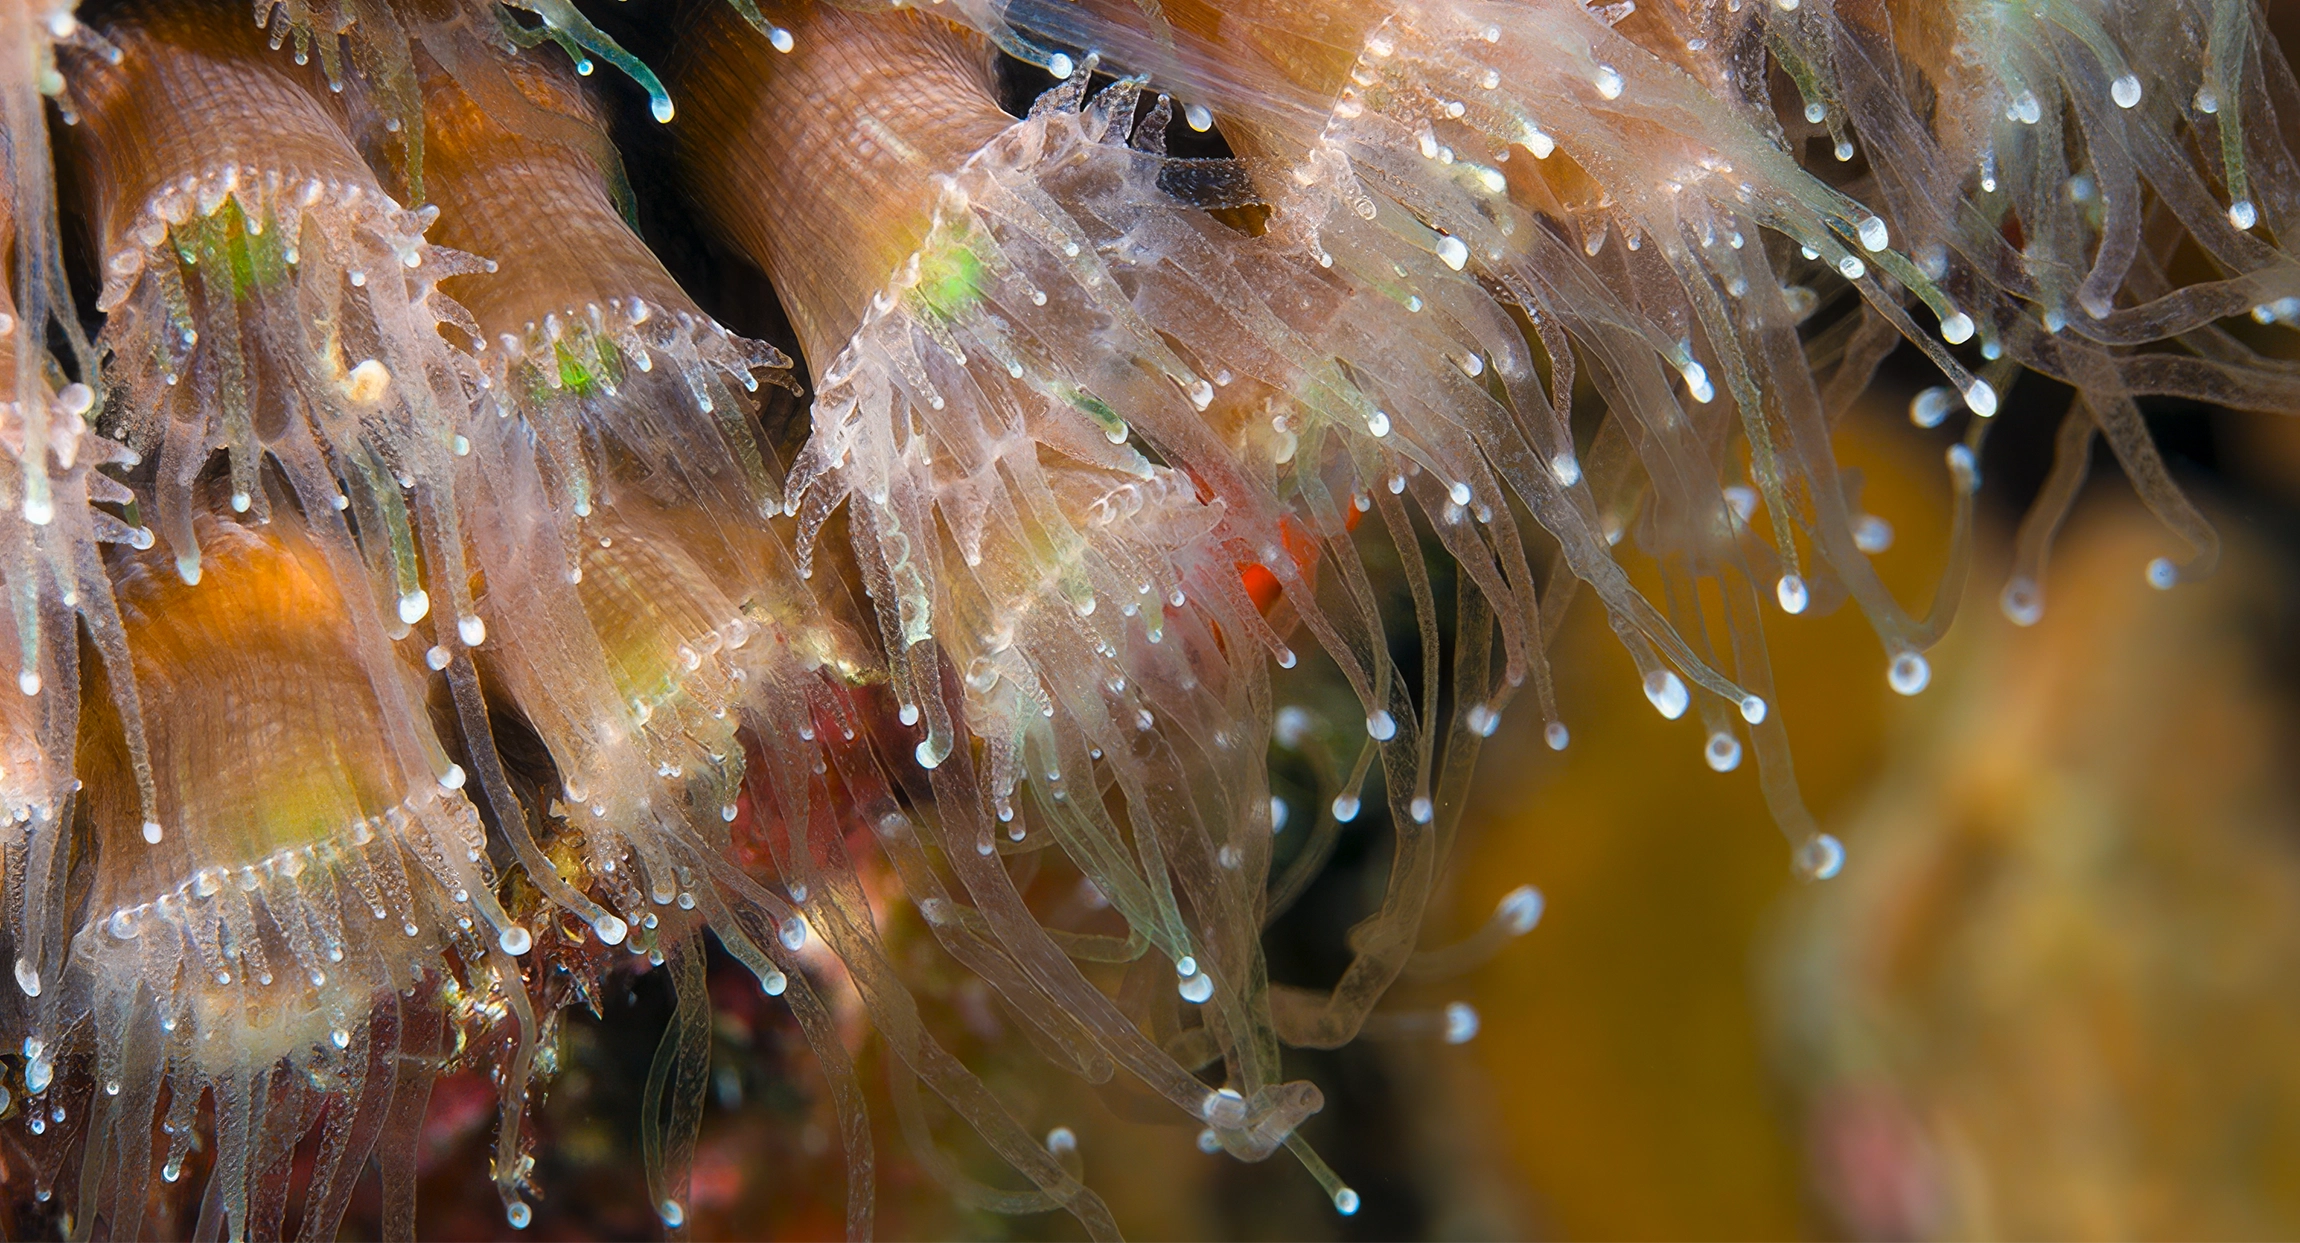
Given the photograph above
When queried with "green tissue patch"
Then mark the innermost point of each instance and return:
(587, 364)
(949, 280)
(1096, 409)
(222, 243)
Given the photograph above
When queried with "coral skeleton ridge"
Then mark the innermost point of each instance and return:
(425, 610)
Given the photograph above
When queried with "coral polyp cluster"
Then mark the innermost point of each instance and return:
(471, 618)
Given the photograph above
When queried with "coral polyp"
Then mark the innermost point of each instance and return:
(320, 889)
(267, 298)
(1040, 584)
(912, 503)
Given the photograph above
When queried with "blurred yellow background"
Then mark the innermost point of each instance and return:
(2052, 995)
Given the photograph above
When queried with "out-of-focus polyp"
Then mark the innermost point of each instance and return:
(2050, 163)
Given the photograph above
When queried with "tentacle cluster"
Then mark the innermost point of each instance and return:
(50, 486)
(2074, 151)
(1640, 229)
(320, 897)
(268, 298)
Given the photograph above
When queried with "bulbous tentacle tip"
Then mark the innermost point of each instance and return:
(1820, 857)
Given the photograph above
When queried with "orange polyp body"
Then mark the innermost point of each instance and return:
(527, 190)
(197, 105)
(824, 159)
(270, 741)
(1301, 50)
(316, 878)
(650, 606)
(667, 589)
(581, 333)
(227, 723)
(647, 599)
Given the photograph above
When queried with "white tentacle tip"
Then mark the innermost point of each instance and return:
(1520, 910)
(1821, 857)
